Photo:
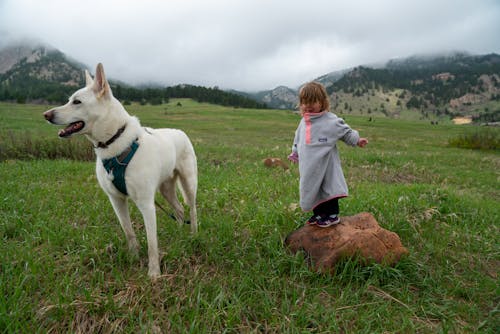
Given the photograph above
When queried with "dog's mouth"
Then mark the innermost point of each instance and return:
(72, 128)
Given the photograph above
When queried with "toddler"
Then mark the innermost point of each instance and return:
(322, 181)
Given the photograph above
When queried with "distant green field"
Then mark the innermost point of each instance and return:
(65, 266)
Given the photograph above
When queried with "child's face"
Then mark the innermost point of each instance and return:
(311, 107)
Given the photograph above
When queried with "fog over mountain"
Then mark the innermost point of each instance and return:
(249, 45)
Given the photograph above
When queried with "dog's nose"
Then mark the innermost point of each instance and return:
(48, 115)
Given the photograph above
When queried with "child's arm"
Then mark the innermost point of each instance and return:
(348, 135)
(342, 131)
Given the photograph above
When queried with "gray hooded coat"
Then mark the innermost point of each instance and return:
(321, 176)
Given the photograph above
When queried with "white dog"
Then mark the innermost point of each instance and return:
(131, 160)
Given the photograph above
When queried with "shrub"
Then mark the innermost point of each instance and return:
(482, 138)
(25, 146)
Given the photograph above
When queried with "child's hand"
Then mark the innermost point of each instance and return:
(293, 157)
(362, 142)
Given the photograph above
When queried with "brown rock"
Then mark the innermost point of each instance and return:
(275, 162)
(358, 235)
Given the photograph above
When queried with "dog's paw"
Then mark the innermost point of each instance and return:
(154, 273)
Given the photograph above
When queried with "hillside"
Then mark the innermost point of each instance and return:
(37, 73)
(279, 98)
(419, 87)
(450, 86)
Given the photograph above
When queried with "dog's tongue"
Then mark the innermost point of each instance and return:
(70, 129)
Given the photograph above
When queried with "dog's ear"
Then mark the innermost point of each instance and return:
(101, 85)
(88, 79)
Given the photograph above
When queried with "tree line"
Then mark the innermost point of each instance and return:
(198, 93)
(26, 88)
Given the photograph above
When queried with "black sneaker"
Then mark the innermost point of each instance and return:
(328, 221)
(314, 220)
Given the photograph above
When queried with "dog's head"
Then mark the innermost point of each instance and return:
(84, 107)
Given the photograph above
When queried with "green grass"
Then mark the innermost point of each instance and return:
(65, 266)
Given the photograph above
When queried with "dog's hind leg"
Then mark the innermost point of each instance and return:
(120, 206)
(189, 185)
(168, 191)
(148, 210)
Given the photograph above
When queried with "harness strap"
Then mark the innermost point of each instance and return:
(118, 165)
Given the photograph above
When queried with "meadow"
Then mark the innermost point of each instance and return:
(65, 265)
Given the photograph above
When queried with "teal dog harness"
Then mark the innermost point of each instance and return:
(118, 165)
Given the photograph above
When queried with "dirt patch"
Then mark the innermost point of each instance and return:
(462, 120)
(387, 175)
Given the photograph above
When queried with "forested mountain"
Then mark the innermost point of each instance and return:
(454, 85)
(418, 87)
(37, 74)
(279, 98)
(43, 74)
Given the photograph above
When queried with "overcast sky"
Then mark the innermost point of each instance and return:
(248, 45)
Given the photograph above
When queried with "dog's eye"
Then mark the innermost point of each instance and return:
(77, 101)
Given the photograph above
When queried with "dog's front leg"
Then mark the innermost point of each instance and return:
(120, 206)
(148, 211)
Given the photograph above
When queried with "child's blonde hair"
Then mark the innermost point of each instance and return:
(313, 92)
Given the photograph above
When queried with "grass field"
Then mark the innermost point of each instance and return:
(65, 266)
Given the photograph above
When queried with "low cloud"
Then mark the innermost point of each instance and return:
(248, 45)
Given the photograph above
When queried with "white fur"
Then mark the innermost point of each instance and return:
(164, 157)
